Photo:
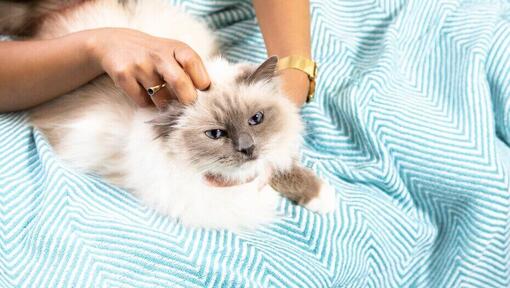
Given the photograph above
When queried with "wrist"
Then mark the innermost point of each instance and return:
(307, 67)
(295, 84)
(92, 43)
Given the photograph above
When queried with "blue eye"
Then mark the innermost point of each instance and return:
(256, 119)
(215, 133)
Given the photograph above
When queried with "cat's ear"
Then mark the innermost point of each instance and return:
(166, 122)
(265, 72)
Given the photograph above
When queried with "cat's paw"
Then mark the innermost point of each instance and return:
(325, 201)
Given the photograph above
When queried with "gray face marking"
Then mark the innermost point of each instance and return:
(227, 107)
(243, 142)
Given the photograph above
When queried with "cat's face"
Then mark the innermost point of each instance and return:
(238, 127)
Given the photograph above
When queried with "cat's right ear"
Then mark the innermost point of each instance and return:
(166, 122)
(265, 72)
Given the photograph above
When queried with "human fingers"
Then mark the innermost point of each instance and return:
(149, 78)
(192, 64)
(131, 87)
(178, 82)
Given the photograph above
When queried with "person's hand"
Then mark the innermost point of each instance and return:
(295, 85)
(136, 61)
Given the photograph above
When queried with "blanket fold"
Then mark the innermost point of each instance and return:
(411, 124)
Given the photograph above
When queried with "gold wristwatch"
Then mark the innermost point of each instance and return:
(304, 64)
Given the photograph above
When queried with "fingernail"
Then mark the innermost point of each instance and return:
(205, 78)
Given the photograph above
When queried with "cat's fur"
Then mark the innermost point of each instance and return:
(163, 157)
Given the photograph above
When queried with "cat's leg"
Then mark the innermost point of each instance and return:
(303, 187)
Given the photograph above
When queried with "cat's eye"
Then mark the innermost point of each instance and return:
(256, 119)
(215, 133)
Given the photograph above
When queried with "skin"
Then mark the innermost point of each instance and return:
(135, 60)
(131, 58)
(282, 39)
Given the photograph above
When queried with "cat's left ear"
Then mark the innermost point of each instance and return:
(265, 72)
(165, 123)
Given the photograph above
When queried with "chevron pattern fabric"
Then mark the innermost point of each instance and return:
(411, 124)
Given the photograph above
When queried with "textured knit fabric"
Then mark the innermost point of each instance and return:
(410, 123)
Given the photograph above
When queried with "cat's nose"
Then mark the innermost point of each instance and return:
(245, 144)
(248, 151)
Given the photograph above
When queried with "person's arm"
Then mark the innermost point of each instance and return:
(33, 72)
(285, 25)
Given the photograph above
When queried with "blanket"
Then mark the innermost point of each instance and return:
(411, 124)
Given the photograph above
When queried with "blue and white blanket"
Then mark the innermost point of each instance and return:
(411, 123)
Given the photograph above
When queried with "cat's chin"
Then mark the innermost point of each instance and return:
(234, 176)
(218, 180)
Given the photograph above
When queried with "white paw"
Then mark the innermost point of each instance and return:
(325, 202)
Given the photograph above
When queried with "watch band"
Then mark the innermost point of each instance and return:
(304, 64)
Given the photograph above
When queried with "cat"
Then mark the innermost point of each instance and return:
(217, 163)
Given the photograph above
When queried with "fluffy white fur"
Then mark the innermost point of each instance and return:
(121, 144)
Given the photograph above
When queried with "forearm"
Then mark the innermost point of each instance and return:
(33, 72)
(285, 25)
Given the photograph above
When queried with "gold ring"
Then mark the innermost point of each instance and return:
(154, 89)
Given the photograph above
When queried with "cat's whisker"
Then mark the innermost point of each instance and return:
(210, 166)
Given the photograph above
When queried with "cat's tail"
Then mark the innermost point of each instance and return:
(22, 18)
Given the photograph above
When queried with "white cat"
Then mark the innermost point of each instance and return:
(242, 132)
